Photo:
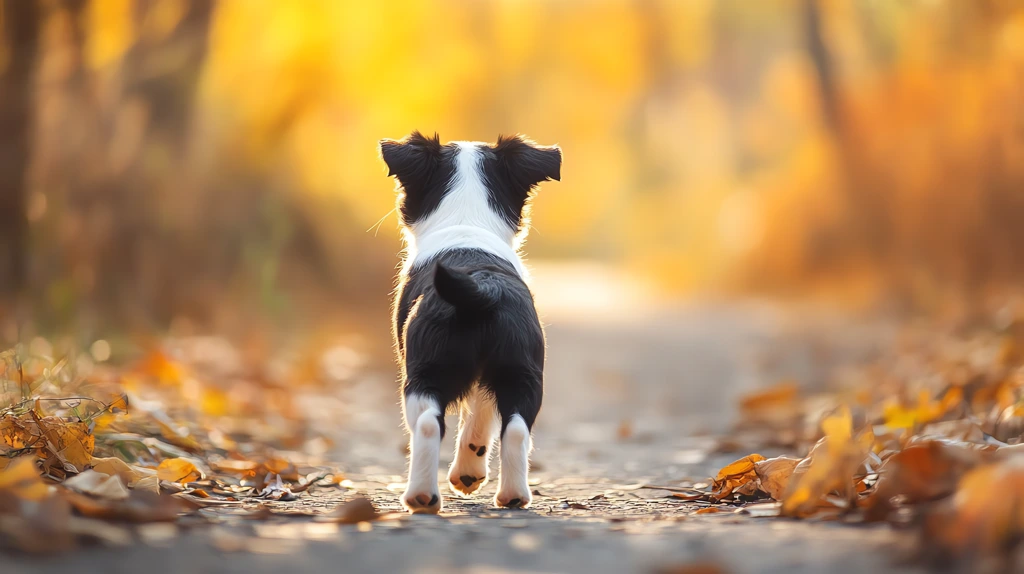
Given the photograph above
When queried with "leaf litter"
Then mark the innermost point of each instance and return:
(96, 454)
(928, 435)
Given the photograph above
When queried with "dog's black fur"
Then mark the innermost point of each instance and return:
(466, 315)
(424, 169)
(466, 318)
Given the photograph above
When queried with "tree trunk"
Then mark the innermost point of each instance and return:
(20, 21)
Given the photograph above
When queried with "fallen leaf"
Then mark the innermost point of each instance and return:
(830, 466)
(178, 438)
(149, 484)
(734, 475)
(983, 517)
(117, 467)
(234, 466)
(356, 510)
(178, 470)
(70, 442)
(120, 404)
(773, 475)
(694, 496)
(90, 482)
(920, 473)
(139, 506)
(277, 490)
(709, 510)
(21, 479)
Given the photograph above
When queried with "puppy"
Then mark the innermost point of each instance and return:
(465, 325)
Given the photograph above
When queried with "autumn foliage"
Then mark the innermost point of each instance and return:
(928, 435)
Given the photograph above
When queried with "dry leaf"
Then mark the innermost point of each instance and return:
(234, 466)
(178, 470)
(117, 467)
(71, 443)
(920, 473)
(709, 510)
(21, 479)
(139, 506)
(983, 517)
(356, 510)
(830, 467)
(735, 475)
(773, 475)
(90, 482)
(149, 484)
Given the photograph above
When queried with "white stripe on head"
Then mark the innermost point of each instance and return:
(464, 219)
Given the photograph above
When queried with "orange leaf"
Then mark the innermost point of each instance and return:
(735, 475)
(177, 470)
(21, 478)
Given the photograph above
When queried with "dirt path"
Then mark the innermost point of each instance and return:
(631, 400)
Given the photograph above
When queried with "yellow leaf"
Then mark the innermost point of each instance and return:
(735, 475)
(15, 433)
(741, 466)
(119, 404)
(828, 468)
(70, 442)
(214, 402)
(177, 470)
(161, 367)
(897, 417)
(839, 425)
(21, 478)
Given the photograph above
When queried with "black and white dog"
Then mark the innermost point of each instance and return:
(464, 319)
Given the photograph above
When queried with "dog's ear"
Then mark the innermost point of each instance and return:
(412, 158)
(528, 163)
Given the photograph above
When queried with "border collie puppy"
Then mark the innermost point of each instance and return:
(466, 329)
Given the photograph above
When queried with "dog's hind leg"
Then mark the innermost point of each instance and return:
(518, 396)
(424, 418)
(478, 427)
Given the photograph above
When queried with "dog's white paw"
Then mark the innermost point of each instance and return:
(422, 501)
(514, 497)
(469, 471)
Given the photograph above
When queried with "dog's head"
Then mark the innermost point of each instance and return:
(468, 183)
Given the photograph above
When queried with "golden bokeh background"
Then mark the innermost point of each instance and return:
(204, 159)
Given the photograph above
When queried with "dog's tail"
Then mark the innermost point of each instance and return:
(465, 291)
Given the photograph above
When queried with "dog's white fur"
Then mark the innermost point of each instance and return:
(421, 415)
(464, 219)
(513, 481)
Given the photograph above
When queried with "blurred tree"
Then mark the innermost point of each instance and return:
(20, 22)
(160, 75)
